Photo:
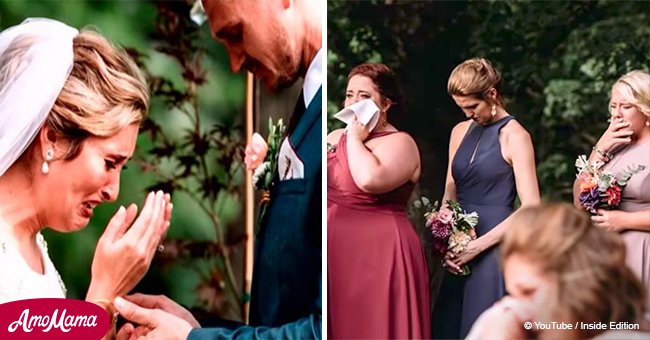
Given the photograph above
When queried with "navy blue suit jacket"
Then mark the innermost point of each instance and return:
(286, 287)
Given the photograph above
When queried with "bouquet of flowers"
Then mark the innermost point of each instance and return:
(600, 189)
(451, 226)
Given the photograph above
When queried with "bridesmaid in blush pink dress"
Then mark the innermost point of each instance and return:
(377, 272)
(626, 144)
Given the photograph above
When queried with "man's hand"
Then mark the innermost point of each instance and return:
(165, 304)
(154, 323)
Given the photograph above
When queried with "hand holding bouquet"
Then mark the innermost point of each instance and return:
(600, 189)
(451, 226)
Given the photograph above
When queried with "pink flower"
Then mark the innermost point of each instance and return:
(255, 152)
(445, 215)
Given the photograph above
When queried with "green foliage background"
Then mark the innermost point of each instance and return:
(130, 24)
(558, 60)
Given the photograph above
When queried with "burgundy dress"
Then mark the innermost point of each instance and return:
(376, 270)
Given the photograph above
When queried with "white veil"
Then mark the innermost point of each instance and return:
(31, 81)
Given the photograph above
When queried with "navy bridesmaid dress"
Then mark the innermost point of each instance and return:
(485, 183)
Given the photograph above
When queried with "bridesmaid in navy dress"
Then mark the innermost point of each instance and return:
(491, 161)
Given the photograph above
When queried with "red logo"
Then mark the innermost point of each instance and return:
(52, 319)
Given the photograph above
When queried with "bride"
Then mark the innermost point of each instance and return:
(70, 108)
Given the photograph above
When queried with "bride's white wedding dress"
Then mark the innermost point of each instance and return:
(17, 279)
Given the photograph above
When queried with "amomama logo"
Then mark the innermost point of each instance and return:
(52, 319)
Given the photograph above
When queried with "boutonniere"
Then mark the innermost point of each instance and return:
(261, 157)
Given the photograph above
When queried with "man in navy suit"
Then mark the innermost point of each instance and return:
(278, 41)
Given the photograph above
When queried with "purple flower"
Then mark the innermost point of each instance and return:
(440, 230)
(590, 200)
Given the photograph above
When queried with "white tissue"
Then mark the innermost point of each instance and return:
(366, 111)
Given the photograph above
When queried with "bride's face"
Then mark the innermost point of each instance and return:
(527, 282)
(73, 188)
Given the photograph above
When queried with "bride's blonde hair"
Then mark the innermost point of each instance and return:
(587, 263)
(104, 93)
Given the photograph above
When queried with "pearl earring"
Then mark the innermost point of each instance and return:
(494, 110)
(45, 167)
(647, 123)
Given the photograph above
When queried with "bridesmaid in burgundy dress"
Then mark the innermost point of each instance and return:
(377, 272)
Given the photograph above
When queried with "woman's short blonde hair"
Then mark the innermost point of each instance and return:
(635, 88)
(587, 262)
(474, 78)
(104, 93)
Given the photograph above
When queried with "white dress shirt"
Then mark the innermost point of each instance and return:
(313, 78)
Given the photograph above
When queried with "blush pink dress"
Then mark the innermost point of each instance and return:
(635, 197)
